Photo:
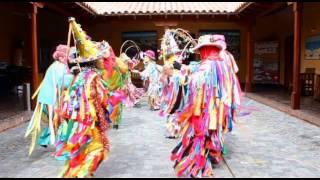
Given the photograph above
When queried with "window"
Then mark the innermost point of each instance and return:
(232, 39)
(145, 40)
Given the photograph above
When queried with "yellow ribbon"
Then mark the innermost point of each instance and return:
(212, 115)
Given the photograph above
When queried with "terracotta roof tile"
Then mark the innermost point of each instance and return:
(145, 8)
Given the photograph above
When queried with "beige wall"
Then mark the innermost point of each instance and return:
(276, 27)
(112, 30)
(310, 27)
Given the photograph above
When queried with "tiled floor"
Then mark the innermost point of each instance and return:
(12, 112)
(265, 143)
(309, 109)
(10, 105)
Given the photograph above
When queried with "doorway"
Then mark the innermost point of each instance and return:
(288, 68)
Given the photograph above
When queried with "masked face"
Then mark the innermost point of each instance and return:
(210, 52)
(146, 60)
(100, 64)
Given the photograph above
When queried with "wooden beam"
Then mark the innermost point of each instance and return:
(295, 96)
(89, 10)
(258, 10)
(34, 46)
(249, 59)
(245, 6)
(58, 9)
(165, 23)
(38, 4)
(273, 9)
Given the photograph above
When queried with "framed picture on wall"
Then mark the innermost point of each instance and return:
(268, 47)
(312, 51)
(232, 39)
(266, 62)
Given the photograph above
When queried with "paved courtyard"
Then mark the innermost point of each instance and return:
(266, 143)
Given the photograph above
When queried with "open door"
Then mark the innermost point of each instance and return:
(288, 67)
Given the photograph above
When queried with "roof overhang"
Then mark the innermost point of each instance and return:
(116, 9)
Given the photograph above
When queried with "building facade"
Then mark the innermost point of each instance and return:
(273, 42)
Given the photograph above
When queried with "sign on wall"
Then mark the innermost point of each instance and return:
(266, 62)
(232, 39)
(312, 51)
(270, 47)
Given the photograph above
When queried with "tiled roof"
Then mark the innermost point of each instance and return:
(151, 8)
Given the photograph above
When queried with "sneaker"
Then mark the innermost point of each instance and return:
(45, 146)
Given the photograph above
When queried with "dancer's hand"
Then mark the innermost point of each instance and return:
(135, 71)
(167, 70)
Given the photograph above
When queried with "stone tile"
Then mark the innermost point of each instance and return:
(266, 143)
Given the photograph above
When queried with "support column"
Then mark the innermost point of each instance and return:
(34, 46)
(295, 96)
(249, 59)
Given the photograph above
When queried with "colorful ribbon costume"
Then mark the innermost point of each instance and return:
(47, 101)
(213, 97)
(133, 94)
(81, 107)
(173, 97)
(82, 141)
(119, 82)
(152, 74)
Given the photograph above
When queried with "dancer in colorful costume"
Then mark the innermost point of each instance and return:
(152, 74)
(133, 94)
(82, 141)
(214, 95)
(48, 95)
(117, 76)
(173, 97)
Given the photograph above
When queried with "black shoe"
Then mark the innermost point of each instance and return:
(116, 126)
(45, 146)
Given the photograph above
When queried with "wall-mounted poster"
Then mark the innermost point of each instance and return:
(232, 40)
(270, 47)
(266, 62)
(312, 51)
